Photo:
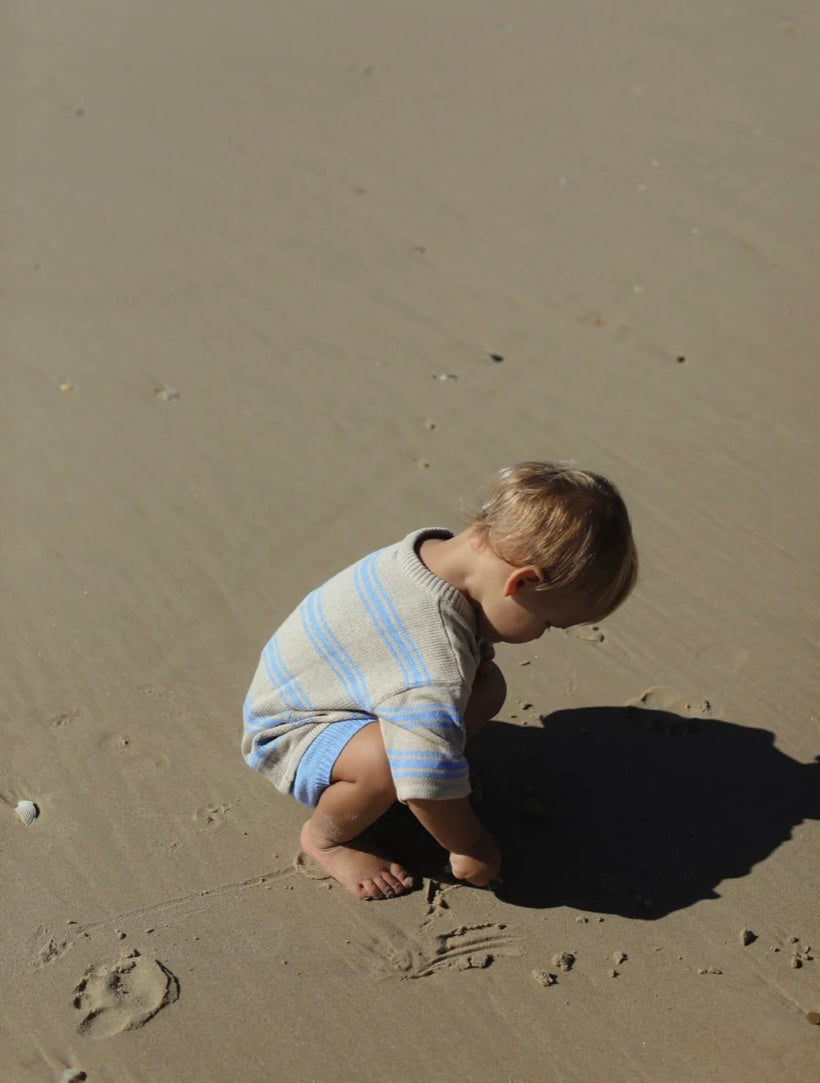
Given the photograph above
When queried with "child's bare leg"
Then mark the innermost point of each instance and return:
(361, 789)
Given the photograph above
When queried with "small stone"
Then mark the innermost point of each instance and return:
(66, 386)
(613, 973)
(474, 962)
(582, 920)
(564, 960)
(813, 1018)
(544, 979)
(680, 358)
(795, 963)
(120, 934)
(710, 970)
(72, 1075)
(619, 957)
(429, 424)
(526, 662)
(444, 376)
(496, 357)
(794, 940)
(747, 937)
(167, 394)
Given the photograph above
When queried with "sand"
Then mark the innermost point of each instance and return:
(282, 282)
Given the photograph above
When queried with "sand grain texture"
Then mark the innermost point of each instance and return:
(280, 284)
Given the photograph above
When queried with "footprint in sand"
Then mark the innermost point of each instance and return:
(123, 995)
(212, 817)
(666, 712)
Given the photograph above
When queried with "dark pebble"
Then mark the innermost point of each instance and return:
(496, 357)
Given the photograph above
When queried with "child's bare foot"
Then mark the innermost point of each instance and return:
(366, 873)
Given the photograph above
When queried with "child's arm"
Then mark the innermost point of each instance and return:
(474, 855)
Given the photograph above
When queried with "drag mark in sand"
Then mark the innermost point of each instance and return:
(184, 906)
(468, 947)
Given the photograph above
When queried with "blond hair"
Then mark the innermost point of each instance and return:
(569, 523)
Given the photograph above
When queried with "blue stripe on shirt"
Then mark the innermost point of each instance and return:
(292, 693)
(411, 718)
(425, 770)
(330, 650)
(264, 748)
(388, 624)
(426, 760)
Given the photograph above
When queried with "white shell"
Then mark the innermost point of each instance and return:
(27, 811)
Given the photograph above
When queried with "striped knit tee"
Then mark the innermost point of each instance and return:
(386, 640)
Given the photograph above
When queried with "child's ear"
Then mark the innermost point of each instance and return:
(527, 578)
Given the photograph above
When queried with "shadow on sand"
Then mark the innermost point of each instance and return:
(627, 811)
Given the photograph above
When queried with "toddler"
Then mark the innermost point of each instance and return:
(372, 687)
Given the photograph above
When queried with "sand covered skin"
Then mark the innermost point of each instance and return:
(282, 283)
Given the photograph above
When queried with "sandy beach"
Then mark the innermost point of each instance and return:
(284, 282)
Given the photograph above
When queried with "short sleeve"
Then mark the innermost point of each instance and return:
(424, 736)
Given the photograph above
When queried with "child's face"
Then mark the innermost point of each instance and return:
(521, 614)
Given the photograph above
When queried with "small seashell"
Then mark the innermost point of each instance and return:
(27, 811)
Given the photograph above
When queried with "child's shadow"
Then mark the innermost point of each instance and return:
(635, 812)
